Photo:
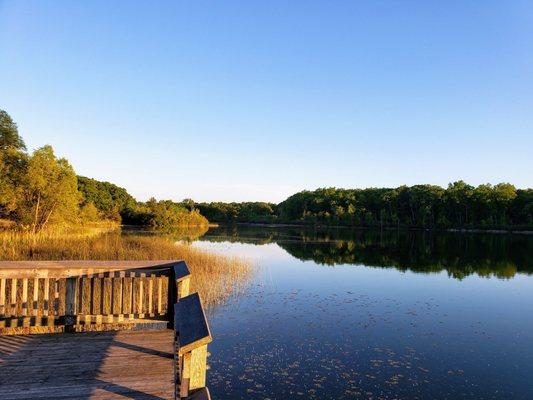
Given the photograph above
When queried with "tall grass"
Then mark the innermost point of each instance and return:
(215, 276)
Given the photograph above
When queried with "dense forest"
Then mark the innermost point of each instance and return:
(40, 190)
(254, 212)
(421, 206)
(425, 206)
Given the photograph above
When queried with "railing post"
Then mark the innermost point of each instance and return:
(182, 277)
(192, 335)
(183, 287)
(71, 296)
(177, 368)
(172, 297)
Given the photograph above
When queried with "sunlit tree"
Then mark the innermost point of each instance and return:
(12, 165)
(50, 191)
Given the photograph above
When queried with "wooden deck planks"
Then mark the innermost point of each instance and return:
(88, 365)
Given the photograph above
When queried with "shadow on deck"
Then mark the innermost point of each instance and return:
(104, 365)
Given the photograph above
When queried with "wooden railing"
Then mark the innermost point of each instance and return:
(191, 336)
(69, 296)
(45, 297)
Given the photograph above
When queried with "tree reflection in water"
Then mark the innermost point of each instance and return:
(459, 254)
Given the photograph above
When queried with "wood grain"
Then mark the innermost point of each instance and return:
(87, 365)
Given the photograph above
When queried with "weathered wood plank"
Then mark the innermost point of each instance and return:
(46, 297)
(183, 287)
(150, 296)
(60, 295)
(71, 297)
(24, 303)
(198, 368)
(87, 365)
(140, 301)
(65, 269)
(117, 296)
(2, 296)
(35, 298)
(159, 295)
(107, 296)
(13, 296)
(86, 296)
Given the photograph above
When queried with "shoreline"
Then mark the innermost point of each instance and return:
(369, 228)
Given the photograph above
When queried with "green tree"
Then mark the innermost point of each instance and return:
(457, 199)
(189, 204)
(50, 191)
(8, 190)
(89, 213)
(12, 165)
(167, 215)
(112, 201)
(521, 212)
(9, 134)
(503, 194)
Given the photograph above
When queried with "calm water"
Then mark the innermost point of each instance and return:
(346, 314)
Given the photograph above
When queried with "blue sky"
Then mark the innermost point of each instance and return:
(255, 100)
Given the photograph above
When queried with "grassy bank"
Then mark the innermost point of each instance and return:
(215, 276)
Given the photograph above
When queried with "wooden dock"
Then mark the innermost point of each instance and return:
(101, 330)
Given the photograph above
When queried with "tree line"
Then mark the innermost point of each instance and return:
(39, 190)
(460, 205)
(252, 212)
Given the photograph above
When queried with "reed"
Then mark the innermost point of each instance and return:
(216, 277)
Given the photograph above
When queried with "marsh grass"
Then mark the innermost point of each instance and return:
(215, 276)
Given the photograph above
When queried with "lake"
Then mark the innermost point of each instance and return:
(349, 314)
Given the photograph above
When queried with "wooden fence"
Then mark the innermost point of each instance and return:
(53, 297)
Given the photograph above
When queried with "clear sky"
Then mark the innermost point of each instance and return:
(226, 100)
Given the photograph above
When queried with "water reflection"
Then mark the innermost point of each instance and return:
(364, 329)
(459, 254)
